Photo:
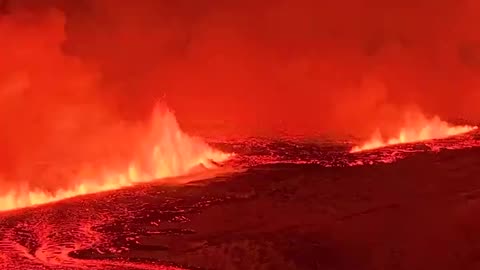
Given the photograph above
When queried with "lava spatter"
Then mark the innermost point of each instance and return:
(165, 151)
(422, 129)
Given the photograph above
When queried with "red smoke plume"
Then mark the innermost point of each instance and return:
(306, 66)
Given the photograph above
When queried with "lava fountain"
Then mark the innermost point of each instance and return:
(166, 151)
(422, 129)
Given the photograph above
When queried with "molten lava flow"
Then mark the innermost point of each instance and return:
(165, 152)
(422, 130)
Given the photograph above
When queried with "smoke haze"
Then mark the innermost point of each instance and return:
(296, 66)
(308, 67)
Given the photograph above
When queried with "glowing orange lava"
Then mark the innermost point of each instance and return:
(422, 130)
(166, 152)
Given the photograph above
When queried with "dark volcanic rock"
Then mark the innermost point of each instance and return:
(422, 212)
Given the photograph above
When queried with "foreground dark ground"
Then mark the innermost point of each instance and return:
(421, 212)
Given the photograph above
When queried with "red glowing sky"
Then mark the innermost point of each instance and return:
(299, 66)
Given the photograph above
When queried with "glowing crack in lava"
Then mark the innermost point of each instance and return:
(422, 130)
(166, 152)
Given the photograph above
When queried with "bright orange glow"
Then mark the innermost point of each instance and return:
(421, 129)
(165, 152)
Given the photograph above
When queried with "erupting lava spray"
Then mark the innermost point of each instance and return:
(62, 135)
(421, 130)
(165, 151)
